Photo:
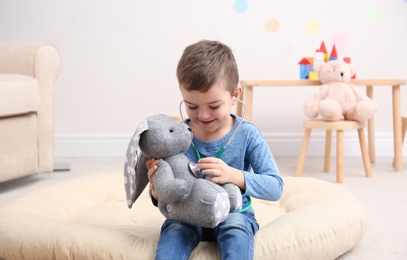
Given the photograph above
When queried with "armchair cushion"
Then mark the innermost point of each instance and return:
(19, 94)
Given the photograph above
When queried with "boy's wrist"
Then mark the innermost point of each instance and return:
(153, 198)
(238, 178)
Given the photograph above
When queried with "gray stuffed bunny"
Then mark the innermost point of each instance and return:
(181, 195)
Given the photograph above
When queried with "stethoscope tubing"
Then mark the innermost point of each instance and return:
(223, 148)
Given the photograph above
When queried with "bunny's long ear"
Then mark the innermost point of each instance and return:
(135, 171)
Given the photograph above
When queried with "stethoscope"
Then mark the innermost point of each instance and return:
(198, 172)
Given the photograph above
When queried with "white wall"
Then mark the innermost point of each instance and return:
(119, 59)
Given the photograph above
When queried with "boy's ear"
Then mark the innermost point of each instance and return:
(238, 92)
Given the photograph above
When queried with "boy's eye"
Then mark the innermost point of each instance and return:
(210, 107)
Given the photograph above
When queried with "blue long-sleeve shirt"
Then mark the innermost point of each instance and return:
(249, 152)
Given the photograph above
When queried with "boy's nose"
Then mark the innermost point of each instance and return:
(203, 114)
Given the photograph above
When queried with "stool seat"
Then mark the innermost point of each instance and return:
(339, 126)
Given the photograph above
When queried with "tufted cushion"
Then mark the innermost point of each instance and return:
(88, 218)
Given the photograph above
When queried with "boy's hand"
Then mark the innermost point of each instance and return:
(151, 165)
(219, 172)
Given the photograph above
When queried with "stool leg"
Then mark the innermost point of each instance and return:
(339, 156)
(403, 131)
(303, 152)
(327, 158)
(403, 134)
(365, 152)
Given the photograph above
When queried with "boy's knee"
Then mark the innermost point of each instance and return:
(174, 226)
(240, 221)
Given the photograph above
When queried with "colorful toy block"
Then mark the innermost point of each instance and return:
(305, 67)
(313, 75)
(334, 55)
(320, 55)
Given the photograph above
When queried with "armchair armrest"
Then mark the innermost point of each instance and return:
(42, 62)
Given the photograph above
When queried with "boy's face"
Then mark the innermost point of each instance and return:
(209, 111)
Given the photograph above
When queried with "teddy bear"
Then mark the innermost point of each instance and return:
(337, 98)
(182, 195)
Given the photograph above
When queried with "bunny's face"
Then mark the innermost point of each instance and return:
(164, 137)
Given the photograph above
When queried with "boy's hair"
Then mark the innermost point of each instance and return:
(206, 63)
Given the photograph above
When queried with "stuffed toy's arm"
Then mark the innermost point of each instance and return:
(312, 102)
(364, 109)
(358, 94)
(166, 185)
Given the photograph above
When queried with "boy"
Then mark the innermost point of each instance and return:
(208, 80)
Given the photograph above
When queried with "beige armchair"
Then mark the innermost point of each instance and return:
(27, 75)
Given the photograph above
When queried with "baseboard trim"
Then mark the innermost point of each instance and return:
(114, 145)
(281, 144)
(289, 144)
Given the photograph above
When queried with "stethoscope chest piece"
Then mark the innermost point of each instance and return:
(195, 171)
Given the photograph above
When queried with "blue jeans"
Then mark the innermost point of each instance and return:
(234, 236)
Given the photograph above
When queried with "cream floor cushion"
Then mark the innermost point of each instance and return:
(88, 218)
